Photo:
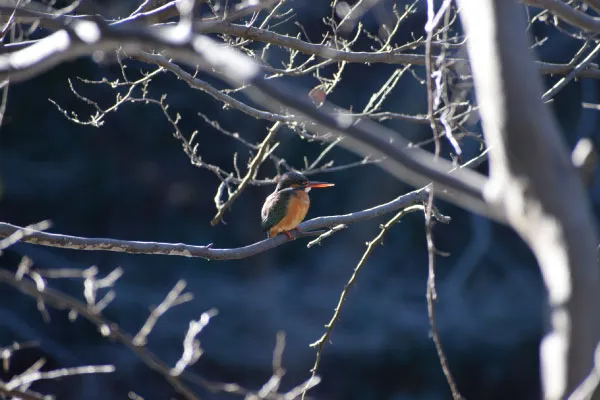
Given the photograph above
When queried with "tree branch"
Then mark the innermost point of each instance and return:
(251, 174)
(415, 166)
(532, 179)
(319, 344)
(568, 14)
(55, 21)
(595, 4)
(62, 301)
(207, 252)
(558, 86)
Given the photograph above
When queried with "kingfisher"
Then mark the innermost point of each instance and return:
(287, 206)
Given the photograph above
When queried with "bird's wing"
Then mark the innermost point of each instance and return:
(275, 208)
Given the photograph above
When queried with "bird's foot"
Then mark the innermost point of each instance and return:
(289, 234)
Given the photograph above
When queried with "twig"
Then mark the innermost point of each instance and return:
(174, 298)
(562, 82)
(28, 378)
(21, 394)
(109, 329)
(325, 235)
(196, 83)
(587, 388)
(595, 4)
(251, 174)
(191, 346)
(272, 385)
(20, 233)
(320, 343)
(433, 20)
(63, 301)
(568, 14)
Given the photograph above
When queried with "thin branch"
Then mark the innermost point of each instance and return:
(111, 330)
(550, 93)
(250, 175)
(587, 388)
(207, 252)
(595, 4)
(55, 21)
(434, 99)
(272, 385)
(17, 235)
(21, 394)
(191, 346)
(63, 301)
(28, 378)
(568, 14)
(226, 99)
(174, 297)
(320, 343)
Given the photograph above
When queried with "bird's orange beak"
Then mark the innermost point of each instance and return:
(315, 184)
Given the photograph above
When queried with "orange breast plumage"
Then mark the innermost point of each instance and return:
(296, 211)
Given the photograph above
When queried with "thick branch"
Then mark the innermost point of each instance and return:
(464, 187)
(178, 249)
(532, 179)
(568, 14)
(365, 57)
(56, 22)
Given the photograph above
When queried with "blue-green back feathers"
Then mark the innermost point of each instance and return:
(275, 208)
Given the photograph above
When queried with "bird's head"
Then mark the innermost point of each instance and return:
(296, 181)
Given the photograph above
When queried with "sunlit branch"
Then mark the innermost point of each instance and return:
(250, 175)
(63, 301)
(307, 228)
(416, 167)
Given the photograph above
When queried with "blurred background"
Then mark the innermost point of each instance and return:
(130, 179)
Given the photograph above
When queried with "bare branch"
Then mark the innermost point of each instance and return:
(532, 179)
(464, 187)
(550, 93)
(62, 301)
(250, 175)
(111, 330)
(191, 345)
(28, 378)
(434, 99)
(595, 4)
(175, 297)
(174, 249)
(320, 343)
(21, 394)
(196, 83)
(568, 14)
(21, 233)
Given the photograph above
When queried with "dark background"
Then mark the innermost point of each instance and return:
(131, 180)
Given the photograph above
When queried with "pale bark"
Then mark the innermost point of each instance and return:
(532, 180)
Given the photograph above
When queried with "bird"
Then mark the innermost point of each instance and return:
(287, 206)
